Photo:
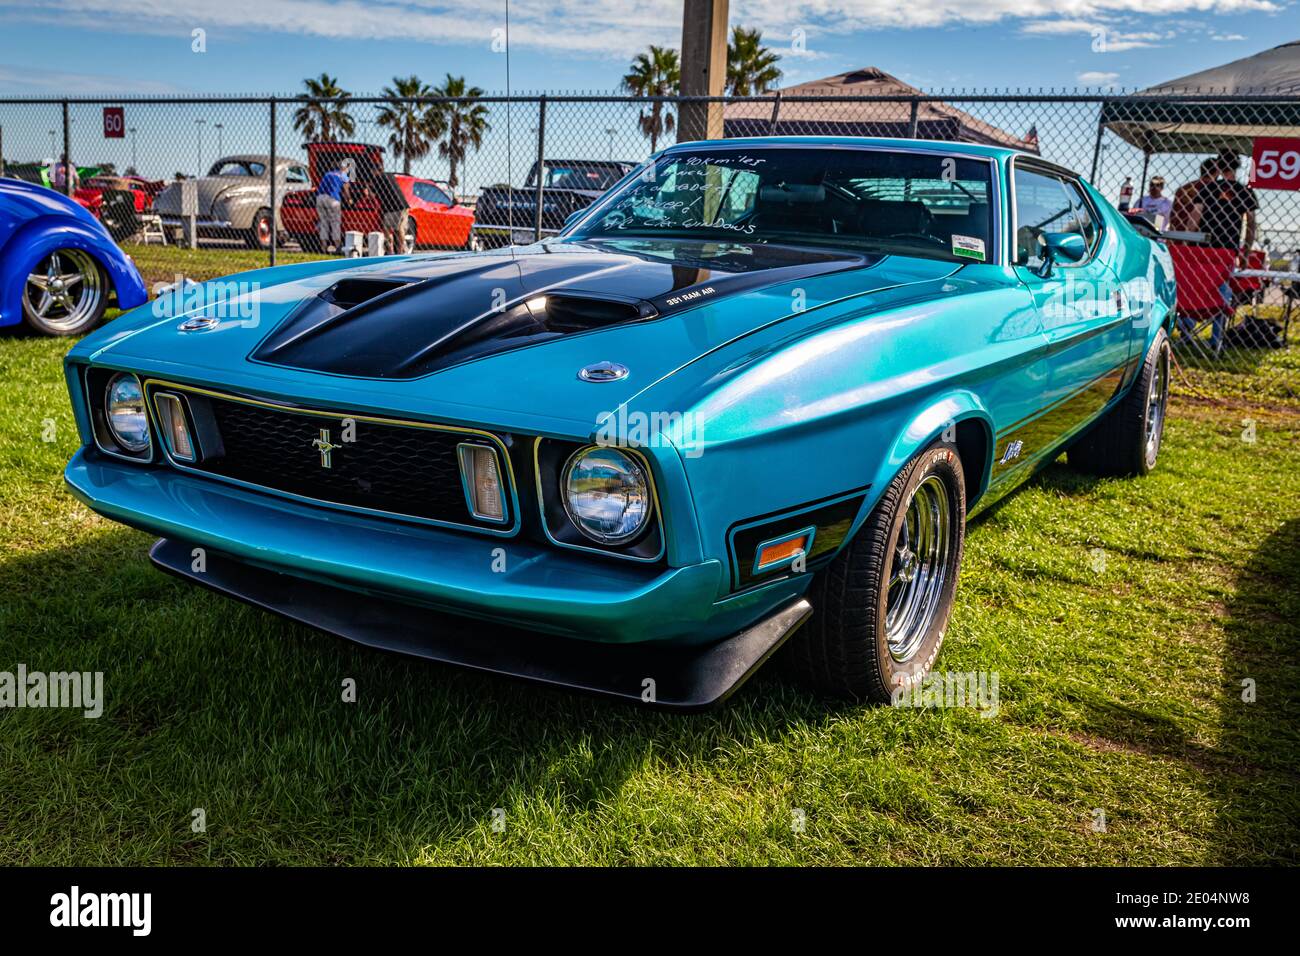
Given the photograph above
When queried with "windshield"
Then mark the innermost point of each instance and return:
(923, 204)
(580, 175)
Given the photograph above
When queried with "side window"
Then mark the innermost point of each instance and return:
(296, 174)
(433, 194)
(1043, 204)
(1083, 214)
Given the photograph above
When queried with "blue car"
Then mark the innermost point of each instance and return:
(58, 265)
(752, 394)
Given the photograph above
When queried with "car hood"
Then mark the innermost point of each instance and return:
(497, 339)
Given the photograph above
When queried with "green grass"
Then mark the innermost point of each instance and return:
(164, 263)
(1120, 691)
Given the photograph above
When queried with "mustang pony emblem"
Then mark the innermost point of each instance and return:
(324, 446)
(1013, 451)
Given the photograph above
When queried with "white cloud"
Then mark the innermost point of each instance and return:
(1227, 37)
(1097, 78)
(611, 28)
(23, 79)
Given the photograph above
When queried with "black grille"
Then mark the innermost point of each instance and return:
(393, 468)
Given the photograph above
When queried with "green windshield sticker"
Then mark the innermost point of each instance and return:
(968, 247)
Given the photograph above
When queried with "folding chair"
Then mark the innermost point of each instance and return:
(1201, 272)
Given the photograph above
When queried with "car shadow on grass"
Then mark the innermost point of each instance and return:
(213, 704)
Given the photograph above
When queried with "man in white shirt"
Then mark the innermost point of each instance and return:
(1155, 205)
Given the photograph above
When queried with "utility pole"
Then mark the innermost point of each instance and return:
(219, 127)
(704, 68)
(199, 123)
(135, 163)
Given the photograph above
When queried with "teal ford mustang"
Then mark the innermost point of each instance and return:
(752, 394)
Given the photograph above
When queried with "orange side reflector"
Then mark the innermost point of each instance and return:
(782, 550)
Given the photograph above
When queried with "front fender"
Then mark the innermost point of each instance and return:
(40, 237)
(946, 416)
(238, 205)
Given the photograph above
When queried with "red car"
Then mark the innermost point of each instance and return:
(436, 219)
(142, 190)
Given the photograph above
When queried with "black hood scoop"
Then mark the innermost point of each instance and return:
(425, 316)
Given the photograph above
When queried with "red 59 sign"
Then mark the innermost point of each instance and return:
(114, 123)
(1275, 163)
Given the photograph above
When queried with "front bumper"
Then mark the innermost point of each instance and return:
(666, 677)
(541, 588)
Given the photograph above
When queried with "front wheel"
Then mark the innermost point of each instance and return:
(1126, 441)
(881, 608)
(66, 294)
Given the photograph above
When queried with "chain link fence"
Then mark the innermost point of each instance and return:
(186, 185)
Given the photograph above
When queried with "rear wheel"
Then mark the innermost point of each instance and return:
(1127, 440)
(66, 294)
(881, 608)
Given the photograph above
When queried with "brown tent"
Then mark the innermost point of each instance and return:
(916, 119)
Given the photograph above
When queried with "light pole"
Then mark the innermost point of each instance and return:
(610, 134)
(52, 146)
(134, 161)
(219, 127)
(199, 123)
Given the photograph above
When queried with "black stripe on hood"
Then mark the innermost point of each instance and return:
(423, 316)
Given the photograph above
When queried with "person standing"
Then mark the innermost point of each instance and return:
(65, 176)
(333, 191)
(395, 212)
(1225, 204)
(1155, 204)
(1185, 215)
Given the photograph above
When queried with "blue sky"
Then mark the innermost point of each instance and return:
(93, 47)
(103, 48)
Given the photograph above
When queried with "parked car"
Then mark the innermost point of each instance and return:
(104, 199)
(142, 191)
(58, 265)
(437, 220)
(506, 215)
(762, 386)
(234, 198)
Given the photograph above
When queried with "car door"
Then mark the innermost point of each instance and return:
(1081, 303)
(433, 221)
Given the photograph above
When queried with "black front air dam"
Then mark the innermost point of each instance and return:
(685, 678)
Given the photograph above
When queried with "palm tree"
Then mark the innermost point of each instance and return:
(751, 67)
(322, 122)
(657, 72)
(415, 126)
(460, 123)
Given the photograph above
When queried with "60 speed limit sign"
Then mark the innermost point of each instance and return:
(1275, 163)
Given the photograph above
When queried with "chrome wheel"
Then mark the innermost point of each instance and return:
(64, 292)
(1157, 401)
(918, 568)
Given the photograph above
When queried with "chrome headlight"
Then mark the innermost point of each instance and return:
(606, 494)
(124, 409)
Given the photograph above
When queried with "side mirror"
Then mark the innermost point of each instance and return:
(1060, 247)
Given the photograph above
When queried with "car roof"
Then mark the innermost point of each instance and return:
(865, 142)
(262, 158)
